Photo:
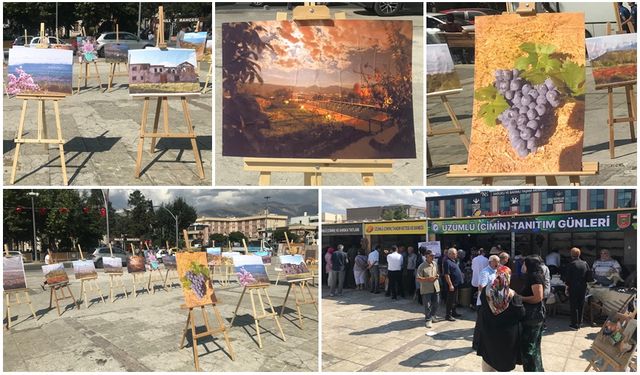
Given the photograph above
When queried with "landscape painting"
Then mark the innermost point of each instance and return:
(55, 274)
(39, 71)
(136, 263)
(112, 264)
(294, 266)
(156, 72)
(441, 74)
(195, 279)
(208, 51)
(529, 94)
(116, 53)
(613, 58)
(250, 270)
(214, 257)
(196, 41)
(169, 261)
(329, 89)
(84, 269)
(13, 276)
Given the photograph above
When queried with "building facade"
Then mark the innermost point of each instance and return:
(305, 219)
(384, 212)
(250, 226)
(147, 73)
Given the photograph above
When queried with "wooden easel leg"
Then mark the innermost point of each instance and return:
(166, 277)
(286, 297)
(99, 290)
(255, 318)
(611, 124)
(298, 304)
(124, 288)
(454, 120)
(551, 180)
(264, 179)
(235, 313)
(112, 70)
(630, 109)
(111, 288)
(42, 123)
(50, 297)
(312, 179)
(26, 296)
(55, 295)
(75, 302)
(86, 73)
(194, 341)
(156, 119)
(143, 125)
(274, 314)
(367, 179)
(95, 67)
(530, 180)
(63, 164)
(192, 135)
(574, 181)
(18, 141)
(8, 305)
(487, 181)
(313, 298)
(185, 330)
(149, 283)
(224, 332)
(83, 293)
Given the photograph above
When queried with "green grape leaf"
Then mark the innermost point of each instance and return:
(523, 62)
(528, 47)
(486, 93)
(186, 284)
(490, 111)
(535, 76)
(573, 75)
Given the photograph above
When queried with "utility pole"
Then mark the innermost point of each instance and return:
(105, 196)
(33, 194)
(175, 217)
(266, 216)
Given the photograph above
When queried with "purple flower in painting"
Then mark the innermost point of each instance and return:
(23, 82)
(245, 277)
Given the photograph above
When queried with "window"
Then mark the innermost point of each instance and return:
(504, 203)
(485, 204)
(624, 198)
(546, 201)
(127, 36)
(571, 200)
(434, 208)
(525, 203)
(467, 209)
(110, 36)
(596, 199)
(450, 208)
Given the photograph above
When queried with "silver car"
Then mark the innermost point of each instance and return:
(124, 37)
(100, 252)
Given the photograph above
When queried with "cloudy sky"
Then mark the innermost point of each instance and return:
(326, 55)
(338, 200)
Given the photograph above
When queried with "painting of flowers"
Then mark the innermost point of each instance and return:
(250, 270)
(87, 49)
(42, 71)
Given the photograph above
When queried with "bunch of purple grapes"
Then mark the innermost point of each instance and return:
(530, 109)
(198, 284)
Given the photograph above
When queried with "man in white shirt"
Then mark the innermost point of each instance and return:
(487, 275)
(374, 271)
(394, 266)
(552, 260)
(477, 265)
(605, 267)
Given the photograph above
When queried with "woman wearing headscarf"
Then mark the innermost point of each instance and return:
(499, 324)
(328, 264)
(360, 269)
(532, 325)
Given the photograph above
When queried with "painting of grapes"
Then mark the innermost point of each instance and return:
(528, 111)
(195, 279)
(318, 89)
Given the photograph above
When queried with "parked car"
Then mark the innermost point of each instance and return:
(436, 19)
(468, 15)
(124, 37)
(383, 9)
(160, 253)
(100, 252)
(35, 41)
(19, 41)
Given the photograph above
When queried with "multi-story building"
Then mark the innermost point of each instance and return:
(329, 218)
(250, 226)
(304, 220)
(384, 212)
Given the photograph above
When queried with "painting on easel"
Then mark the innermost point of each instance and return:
(39, 71)
(441, 73)
(13, 276)
(55, 273)
(528, 112)
(195, 279)
(617, 338)
(84, 269)
(135, 264)
(169, 261)
(156, 72)
(196, 41)
(318, 90)
(151, 260)
(112, 264)
(613, 58)
(87, 51)
(116, 53)
(250, 270)
(214, 256)
(294, 266)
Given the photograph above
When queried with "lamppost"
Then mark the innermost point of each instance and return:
(266, 218)
(33, 194)
(105, 196)
(175, 217)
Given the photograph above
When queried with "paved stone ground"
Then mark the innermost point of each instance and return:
(143, 334)
(369, 332)
(405, 171)
(620, 171)
(101, 133)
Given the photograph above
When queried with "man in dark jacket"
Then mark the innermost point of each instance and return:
(339, 262)
(577, 275)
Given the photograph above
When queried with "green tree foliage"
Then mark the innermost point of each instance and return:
(396, 213)
(165, 224)
(237, 237)
(218, 239)
(278, 236)
(140, 215)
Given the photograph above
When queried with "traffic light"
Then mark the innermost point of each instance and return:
(103, 211)
(19, 210)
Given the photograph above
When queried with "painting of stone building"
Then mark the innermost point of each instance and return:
(157, 72)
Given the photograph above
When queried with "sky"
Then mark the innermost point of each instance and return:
(171, 57)
(337, 201)
(326, 55)
(21, 55)
(195, 38)
(600, 45)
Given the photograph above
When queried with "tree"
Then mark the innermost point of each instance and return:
(237, 237)
(141, 215)
(278, 236)
(396, 213)
(165, 224)
(218, 239)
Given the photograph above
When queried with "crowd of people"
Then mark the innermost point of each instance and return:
(509, 294)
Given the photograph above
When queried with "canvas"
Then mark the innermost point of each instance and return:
(208, 51)
(195, 278)
(266, 259)
(135, 264)
(55, 274)
(116, 53)
(196, 41)
(13, 276)
(528, 110)
(169, 261)
(613, 58)
(159, 72)
(441, 74)
(250, 270)
(617, 338)
(318, 90)
(151, 260)
(84, 269)
(40, 71)
(214, 257)
(294, 266)
(87, 51)
(112, 264)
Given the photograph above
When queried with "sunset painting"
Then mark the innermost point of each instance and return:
(324, 89)
(55, 274)
(84, 269)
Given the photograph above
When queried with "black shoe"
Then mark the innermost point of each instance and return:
(450, 318)
(376, 292)
(456, 315)
(574, 327)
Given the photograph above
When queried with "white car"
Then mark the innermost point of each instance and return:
(52, 40)
(131, 40)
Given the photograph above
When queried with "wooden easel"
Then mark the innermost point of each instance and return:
(114, 65)
(258, 290)
(163, 102)
(167, 278)
(457, 127)
(314, 168)
(135, 276)
(191, 326)
(91, 286)
(588, 168)
(115, 280)
(42, 137)
(299, 286)
(87, 73)
(54, 295)
(16, 293)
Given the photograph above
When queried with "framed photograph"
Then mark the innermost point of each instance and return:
(613, 59)
(294, 267)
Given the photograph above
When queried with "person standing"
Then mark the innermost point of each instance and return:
(328, 265)
(453, 279)
(552, 260)
(532, 325)
(360, 269)
(349, 279)
(180, 37)
(339, 262)
(374, 270)
(394, 267)
(578, 273)
(504, 258)
(605, 267)
(427, 276)
(410, 278)
(477, 265)
(625, 16)
(487, 275)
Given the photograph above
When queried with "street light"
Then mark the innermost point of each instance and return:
(266, 218)
(105, 196)
(33, 194)
(175, 217)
